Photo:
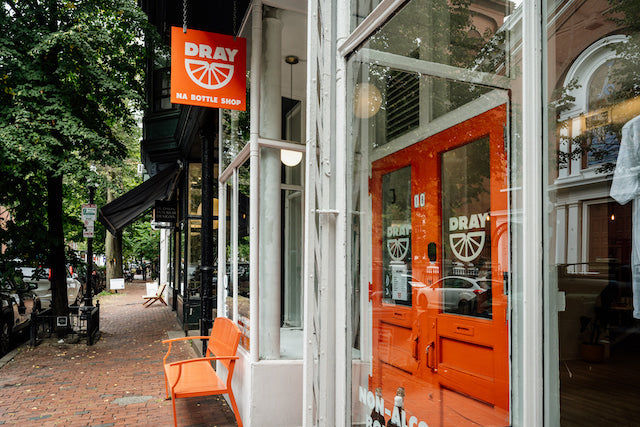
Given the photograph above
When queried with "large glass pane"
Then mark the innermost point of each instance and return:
(360, 9)
(229, 279)
(291, 332)
(434, 202)
(195, 189)
(591, 261)
(243, 251)
(193, 261)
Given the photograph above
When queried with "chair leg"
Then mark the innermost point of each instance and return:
(166, 385)
(173, 404)
(235, 409)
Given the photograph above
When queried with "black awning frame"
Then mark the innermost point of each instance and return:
(127, 208)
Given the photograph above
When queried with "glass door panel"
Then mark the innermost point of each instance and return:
(439, 255)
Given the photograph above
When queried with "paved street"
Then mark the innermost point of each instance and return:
(118, 381)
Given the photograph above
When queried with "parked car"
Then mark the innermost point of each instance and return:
(41, 277)
(457, 295)
(17, 301)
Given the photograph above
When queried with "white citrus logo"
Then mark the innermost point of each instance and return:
(398, 248)
(209, 74)
(467, 246)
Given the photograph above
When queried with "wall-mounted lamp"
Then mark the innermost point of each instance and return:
(290, 158)
(367, 100)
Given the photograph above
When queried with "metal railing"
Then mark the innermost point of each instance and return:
(83, 322)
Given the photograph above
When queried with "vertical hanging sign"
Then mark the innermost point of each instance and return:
(208, 69)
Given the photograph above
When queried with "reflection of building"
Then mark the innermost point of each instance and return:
(382, 94)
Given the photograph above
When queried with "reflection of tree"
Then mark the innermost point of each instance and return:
(235, 125)
(599, 142)
(465, 173)
(440, 32)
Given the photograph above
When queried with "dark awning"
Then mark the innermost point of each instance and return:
(126, 208)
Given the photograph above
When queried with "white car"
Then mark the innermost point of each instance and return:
(457, 295)
(41, 278)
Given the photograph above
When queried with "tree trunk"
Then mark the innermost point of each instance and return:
(113, 250)
(56, 249)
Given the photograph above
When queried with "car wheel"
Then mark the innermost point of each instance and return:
(463, 307)
(5, 338)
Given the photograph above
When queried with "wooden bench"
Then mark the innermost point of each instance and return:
(196, 377)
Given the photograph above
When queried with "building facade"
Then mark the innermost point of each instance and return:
(426, 216)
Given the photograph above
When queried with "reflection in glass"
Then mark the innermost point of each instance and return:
(243, 251)
(195, 188)
(396, 244)
(229, 279)
(425, 335)
(193, 261)
(593, 223)
(466, 210)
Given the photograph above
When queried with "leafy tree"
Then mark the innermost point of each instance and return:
(70, 73)
(140, 241)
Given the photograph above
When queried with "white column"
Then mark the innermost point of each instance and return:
(574, 233)
(163, 268)
(270, 178)
(561, 234)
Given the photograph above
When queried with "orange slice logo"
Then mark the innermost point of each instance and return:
(208, 75)
(398, 248)
(467, 246)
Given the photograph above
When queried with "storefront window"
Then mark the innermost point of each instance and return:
(243, 250)
(194, 249)
(228, 279)
(434, 145)
(195, 189)
(292, 259)
(591, 260)
(360, 9)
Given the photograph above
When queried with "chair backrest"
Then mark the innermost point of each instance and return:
(161, 289)
(152, 288)
(225, 336)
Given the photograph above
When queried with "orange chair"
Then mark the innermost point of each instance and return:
(196, 377)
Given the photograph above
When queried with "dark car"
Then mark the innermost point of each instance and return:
(17, 301)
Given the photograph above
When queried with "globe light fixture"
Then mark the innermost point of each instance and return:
(290, 158)
(367, 100)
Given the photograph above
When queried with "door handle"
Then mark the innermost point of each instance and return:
(426, 351)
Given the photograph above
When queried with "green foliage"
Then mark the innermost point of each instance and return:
(70, 81)
(140, 241)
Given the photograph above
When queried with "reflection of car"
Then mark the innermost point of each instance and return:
(457, 295)
(243, 278)
(17, 302)
(40, 277)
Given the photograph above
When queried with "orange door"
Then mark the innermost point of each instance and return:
(440, 261)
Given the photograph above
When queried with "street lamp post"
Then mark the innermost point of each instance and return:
(89, 282)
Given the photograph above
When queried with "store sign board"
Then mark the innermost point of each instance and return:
(117, 283)
(166, 211)
(208, 69)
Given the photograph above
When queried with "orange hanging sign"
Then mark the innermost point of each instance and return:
(208, 69)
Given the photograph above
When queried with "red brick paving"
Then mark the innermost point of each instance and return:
(116, 382)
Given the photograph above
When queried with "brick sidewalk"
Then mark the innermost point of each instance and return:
(118, 381)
